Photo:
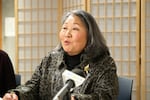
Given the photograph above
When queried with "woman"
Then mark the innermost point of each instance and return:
(81, 46)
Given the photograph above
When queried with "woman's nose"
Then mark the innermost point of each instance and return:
(68, 33)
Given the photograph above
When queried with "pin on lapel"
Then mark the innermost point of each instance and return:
(86, 68)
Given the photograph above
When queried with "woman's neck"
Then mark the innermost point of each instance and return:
(72, 61)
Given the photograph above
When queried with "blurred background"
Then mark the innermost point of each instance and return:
(29, 30)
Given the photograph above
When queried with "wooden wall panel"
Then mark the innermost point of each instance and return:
(145, 50)
(124, 23)
(117, 20)
(37, 28)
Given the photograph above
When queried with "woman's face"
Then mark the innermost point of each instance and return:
(73, 35)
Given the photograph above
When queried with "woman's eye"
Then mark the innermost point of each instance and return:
(75, 29)
(64, 28)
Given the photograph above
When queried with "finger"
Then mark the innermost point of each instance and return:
(14, 96)
(7, 96)
(72, 98)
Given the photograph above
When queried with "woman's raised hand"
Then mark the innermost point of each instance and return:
(10, 96)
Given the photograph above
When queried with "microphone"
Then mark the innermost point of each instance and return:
(78, 72)
(64, 90)
(71, 79)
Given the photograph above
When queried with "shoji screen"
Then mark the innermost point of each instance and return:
(118, 21)
(69, 5)
(145, 45)
(36, 28)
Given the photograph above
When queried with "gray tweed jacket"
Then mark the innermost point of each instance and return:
(46, 81)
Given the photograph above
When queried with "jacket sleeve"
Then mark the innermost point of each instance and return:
(30, 90)
(7, 75)
(10, 81)
(105, 84)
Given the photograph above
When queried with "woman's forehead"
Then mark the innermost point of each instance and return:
(73, 19)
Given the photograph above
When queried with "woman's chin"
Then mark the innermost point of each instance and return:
(68, 51)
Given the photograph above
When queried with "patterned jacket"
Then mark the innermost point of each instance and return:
(100, 84)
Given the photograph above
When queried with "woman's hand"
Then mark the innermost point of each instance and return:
(72, 98)
(10, 96)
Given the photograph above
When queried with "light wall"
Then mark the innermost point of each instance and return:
(8, 42)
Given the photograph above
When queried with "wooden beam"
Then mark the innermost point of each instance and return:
(138, 50)
(143, 51)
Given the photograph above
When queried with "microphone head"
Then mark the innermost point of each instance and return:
(78, 79)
